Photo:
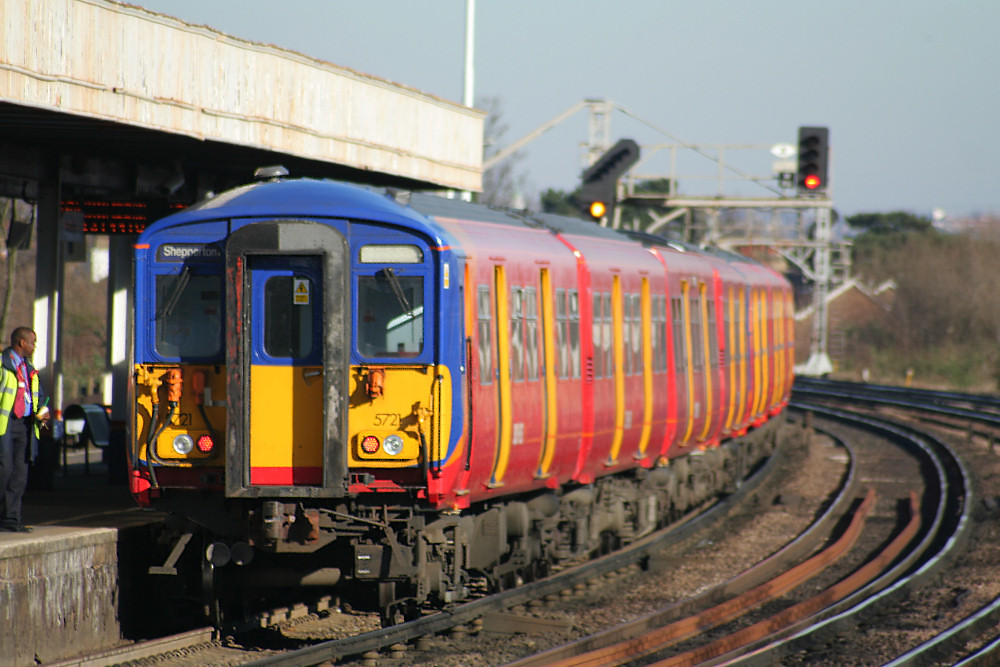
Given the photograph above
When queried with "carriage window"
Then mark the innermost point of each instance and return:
(680, 358)
(562, 335)
(574, 332)
(658, 335)
(531, 365)
(390, 315)
(597, 336)
(516, 334)
(627, 334)
(390, 254)
(694, 315)
(485, 327)
(606, 338)
(713, 343)
(288, 326)
(188, 315)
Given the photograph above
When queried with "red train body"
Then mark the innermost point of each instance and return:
(475, 392)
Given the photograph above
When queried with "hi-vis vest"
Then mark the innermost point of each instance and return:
(8, 392)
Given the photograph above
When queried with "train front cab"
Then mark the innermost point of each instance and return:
(309, 364)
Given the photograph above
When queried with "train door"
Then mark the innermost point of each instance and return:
(528, 401)
(706, 316)
(617, 340)
(642, 330)
(286, 387)
(551, 405)
(484, 429)
(287, 338)
(684, 384)
(503, 375)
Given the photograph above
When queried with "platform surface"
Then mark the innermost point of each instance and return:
(60, 584)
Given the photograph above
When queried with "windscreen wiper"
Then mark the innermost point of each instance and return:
(175, 295)
(397, 289)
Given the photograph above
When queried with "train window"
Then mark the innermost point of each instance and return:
(531, 332)
(516, 334)
(654, 330)
(637, 334)
(562, 334)
(390, 315)
(727, 327)
(627, 334)
(713, 342)
(694, 313)
(660, 333)
(188, 315)
(288, 326)
(484, 330)
(597, 320)
(574, 332)
(606, 336)
(677, 307)
(390, 254)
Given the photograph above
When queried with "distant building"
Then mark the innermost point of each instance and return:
(850, 306)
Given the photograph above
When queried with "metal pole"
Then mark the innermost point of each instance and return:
(819, 359)
(119, 325)
(468, 94)
(470, 39)
(48, 281)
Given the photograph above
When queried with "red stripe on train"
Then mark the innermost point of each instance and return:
(286, 476)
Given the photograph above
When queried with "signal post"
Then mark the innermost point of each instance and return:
(813, 252)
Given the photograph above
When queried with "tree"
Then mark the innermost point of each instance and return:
(560, 202)
(501, 185)
(880, 233)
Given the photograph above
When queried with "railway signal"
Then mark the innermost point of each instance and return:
(599, 189)
(814, 157)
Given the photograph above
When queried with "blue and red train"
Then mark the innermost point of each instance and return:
(404, 394)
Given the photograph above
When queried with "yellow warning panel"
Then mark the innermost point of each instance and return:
(300, 291)
(286, 425)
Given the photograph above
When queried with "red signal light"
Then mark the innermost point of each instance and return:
(370, 444)
(811, 182)
(205, 444)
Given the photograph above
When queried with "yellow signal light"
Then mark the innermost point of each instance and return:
(598, 209)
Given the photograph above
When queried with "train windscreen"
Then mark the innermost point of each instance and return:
(391, 315)
(189, 315)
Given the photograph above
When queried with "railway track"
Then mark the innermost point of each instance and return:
(457, 620)
(830, 588)
(907, 613)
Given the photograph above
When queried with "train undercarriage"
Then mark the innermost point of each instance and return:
(399, 559)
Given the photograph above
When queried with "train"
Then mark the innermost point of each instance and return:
(406, 398)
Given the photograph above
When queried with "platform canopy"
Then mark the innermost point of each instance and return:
(127, 96)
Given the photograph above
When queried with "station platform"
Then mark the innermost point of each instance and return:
(64, 586)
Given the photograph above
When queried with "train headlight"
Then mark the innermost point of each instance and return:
(370, 444)
(183, 444)
(392, 445)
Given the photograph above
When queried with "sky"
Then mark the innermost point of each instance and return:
(910, 89)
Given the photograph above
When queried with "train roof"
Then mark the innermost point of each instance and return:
(309, 197)
(436, 206)
(296, 197)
